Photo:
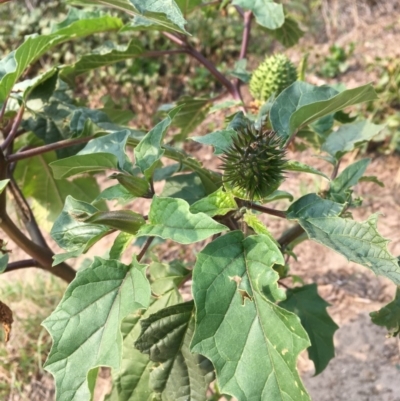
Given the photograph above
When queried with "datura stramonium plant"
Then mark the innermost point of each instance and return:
(254, 163)
(272, 76)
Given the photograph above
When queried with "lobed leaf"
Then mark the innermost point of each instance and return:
(86, 325)
(358, 242)
(131, 382)
(252, 343)
(165, 337)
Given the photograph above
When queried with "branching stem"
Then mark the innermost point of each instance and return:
(47, 148)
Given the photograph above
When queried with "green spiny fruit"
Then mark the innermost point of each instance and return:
(272, 76)
(254, 163)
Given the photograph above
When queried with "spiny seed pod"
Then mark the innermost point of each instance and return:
(272, 76)
(254, 163)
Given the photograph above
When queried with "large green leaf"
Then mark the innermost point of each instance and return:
(184, 186)
(86, 325)
(131, 382)
(358, 242)
(350, 136)
(148, 152)
(252, 343)
(15, 63)
(389, 315)
(268, 14)
(36, 180)
(311, 309)
(108, 54)
(171, 218)
(218, 203)
(165, 337)
(301, 104)
(162, 15)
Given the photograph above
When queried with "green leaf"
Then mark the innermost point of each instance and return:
(371, 178)
(74, 165)
(252, 343)
(267, 13)
(108, 54)
(113, 143)
(358, 242)
(3, 262)
(258, 226)
(311, 309)
(292, 165)
(3, 184)
(106, 152)
(192, 113)
(71, 234)
(36, 180)
(311, 205)
(389, 316)
(221, 140)
(148, 152)
(115, 192)
(162, 15)
(184, 186)
(289, 33)
(131, 383)
(171, 219)
(166, 337)
(86, 326)
(349, 177)
(187, 6)
(16, 62)
(301, 103)
(350, 136)
(39, 87)
(167, 276)
(120, 245)
(123, 220)
(219, 203)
